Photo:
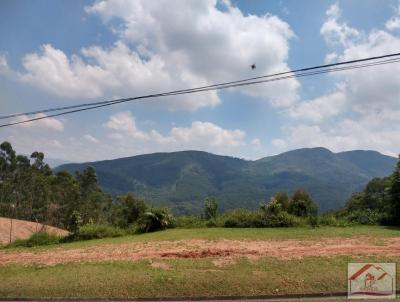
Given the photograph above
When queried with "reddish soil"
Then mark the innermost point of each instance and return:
(22, 229)
(222, 250)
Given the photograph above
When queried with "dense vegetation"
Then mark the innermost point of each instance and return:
(182, 180)
(378, 203)
(30, 190)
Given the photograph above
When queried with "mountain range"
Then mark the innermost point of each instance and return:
(182, 180)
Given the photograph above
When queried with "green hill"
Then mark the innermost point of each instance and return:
(183, 179)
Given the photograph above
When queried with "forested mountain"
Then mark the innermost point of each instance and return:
(182, 180)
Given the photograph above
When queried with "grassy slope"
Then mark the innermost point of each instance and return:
(238, 234)
(188, 276)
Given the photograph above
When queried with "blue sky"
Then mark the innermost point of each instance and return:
(55, 53)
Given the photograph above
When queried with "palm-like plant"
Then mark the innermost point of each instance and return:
(154, 220)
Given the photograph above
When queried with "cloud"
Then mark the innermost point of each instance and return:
(366, 103)
(394, 22)
(90, 138)
(53, 71)
(168, 45)
(199, 135)
(4, 68)
(124, 122)
(372, 88)
(279, 143)
(321, 108)
(206, 133)
(331, 58)
(336, 32)
(380, 131)
(48, 123)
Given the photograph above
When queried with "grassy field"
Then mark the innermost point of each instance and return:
(182, 277)
(238, 234)
(191, 277)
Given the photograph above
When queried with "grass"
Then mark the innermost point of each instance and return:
(184, 277)
(237, 234)
(190, 277)
(41, 238)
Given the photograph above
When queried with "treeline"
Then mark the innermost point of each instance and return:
(280, 211)
(378, 203)
(29, 190)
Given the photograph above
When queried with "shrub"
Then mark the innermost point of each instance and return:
(210, 208)
(155, 219)
(302, 205)
(41, 238)
(97, 231)
(366, 216)
(242, 218)
(189, 222)
(212, 223)
(330, 219)
(283, 219)
(273, 207)
(327, 219)
(312, 221)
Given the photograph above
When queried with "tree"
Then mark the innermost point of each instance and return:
(127, 210)
(88, 180)
(65, 192)
(7, 160)
(302, 205)
(395, 194)
(279, 202)
(39, 164)
(74, 222)
(210, 208)
(273, 207)
(282, 198)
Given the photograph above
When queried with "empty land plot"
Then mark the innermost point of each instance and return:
(204, 262)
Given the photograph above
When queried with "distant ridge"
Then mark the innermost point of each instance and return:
(183, 179)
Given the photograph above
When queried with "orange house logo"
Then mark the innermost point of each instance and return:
(372, 281)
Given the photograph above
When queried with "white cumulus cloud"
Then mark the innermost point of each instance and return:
(199, 135)
(50, 123)
(124, 122)
(334, 31)
(321, 108)
(4, 68)
(168, 45)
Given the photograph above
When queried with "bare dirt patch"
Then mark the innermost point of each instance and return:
(160, 265)
(221, 262)
(22, 229)
(220, 249)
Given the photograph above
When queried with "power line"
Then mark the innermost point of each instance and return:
(245, 82)
(204, 87)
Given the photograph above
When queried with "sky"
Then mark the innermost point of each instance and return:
(56, 53)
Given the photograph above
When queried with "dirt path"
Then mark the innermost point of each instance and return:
(224, 249)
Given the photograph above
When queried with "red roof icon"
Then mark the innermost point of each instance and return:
(370, 266)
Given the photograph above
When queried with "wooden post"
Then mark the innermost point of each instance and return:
(11, 225)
